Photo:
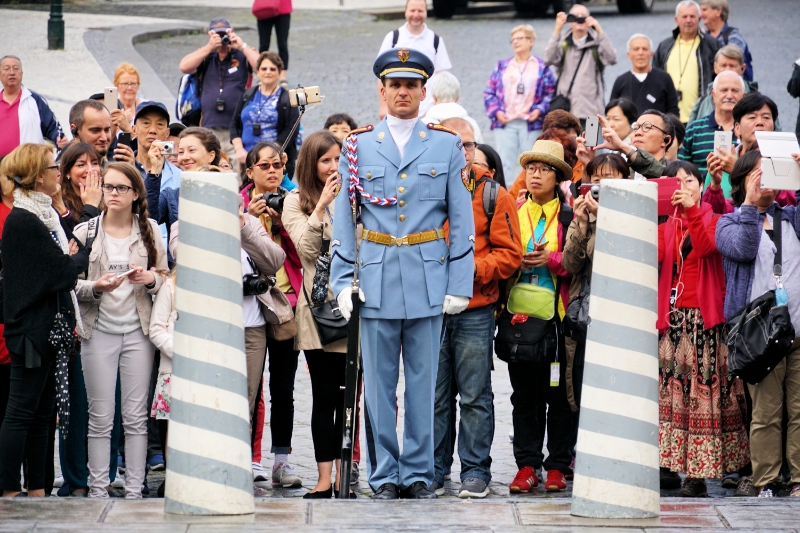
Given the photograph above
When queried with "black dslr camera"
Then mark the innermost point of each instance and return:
(274, 201)
(226, 39)
(252, 285)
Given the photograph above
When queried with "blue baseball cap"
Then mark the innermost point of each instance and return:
(151, 106)
(403, 63)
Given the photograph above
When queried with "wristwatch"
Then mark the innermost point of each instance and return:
(634, 149)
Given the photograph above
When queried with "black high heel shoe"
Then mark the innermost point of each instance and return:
(319, 495)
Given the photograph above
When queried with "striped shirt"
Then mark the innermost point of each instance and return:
(699, 141)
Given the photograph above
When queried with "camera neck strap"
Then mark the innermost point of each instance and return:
(253, 265)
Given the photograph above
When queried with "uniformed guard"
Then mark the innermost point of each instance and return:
(406, 176)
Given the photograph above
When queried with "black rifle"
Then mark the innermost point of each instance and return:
(353, 364)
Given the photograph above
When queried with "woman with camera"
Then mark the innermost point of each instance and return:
(263, 199)
(747, 241)
(127, 266)
(38, 300)
(264, 113)
(544, 217)
(577, 260)
(308, 217)
(701, 429)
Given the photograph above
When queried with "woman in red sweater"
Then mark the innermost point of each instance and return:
(701, 429)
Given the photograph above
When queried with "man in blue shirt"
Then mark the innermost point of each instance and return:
(222, 68)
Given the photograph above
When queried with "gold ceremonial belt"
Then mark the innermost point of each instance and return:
(408, 240)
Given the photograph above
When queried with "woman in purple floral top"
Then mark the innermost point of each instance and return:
(517, 98)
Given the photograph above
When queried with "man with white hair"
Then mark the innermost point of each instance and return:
(688, 57)
(727, 90)
(446, 91)
(645, 86)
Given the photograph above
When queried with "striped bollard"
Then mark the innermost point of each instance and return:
(616, 468)
(209, 453)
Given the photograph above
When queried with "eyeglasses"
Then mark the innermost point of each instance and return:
(516, 39)
(480, 164)
(540, 168)
(470, 146)
(129, 85)
(646, 126)
(265, 166)
(53, 167)
(121, 189)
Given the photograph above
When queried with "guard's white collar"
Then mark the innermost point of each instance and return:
(401, 130)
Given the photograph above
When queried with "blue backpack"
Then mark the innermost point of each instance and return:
(748, 57)
(187, 107)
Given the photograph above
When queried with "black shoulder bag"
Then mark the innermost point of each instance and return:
(561, 101)
(761, 334)
(576, 319)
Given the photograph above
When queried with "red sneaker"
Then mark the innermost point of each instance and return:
(556, 482)
(525, 480)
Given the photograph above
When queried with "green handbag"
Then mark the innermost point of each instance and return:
(532, 300)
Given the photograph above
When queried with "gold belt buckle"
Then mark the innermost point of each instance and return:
(400, 241)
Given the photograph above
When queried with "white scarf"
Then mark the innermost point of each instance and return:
(41, 205)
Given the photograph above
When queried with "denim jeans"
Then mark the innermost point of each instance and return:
(511, 140)
(466, 353)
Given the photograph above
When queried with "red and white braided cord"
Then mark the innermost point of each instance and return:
(351, 144)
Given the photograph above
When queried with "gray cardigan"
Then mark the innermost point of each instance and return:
(738, 237)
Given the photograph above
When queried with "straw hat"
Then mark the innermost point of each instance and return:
(550, 152)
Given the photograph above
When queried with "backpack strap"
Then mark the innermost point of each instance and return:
(726, 34)
(490, 191)
(395, 37)
(565, 216)
(91, 233)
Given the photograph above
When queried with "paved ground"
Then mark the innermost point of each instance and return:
(334, 49)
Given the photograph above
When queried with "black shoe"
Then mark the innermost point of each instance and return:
(669, 479)
(352, 495)
(319, 495)
(160, 490)
(387, 491)
(694, 488)
(418, 491)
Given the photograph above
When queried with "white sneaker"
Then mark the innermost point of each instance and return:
(259, 474)
(58, 482)
(119, 482)
(283, 476)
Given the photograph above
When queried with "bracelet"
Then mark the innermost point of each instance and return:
(634, 149)
(65, 214)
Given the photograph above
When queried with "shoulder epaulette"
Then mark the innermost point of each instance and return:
(368, 127)
(439, 127)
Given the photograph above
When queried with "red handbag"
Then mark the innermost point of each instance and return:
(266, 9)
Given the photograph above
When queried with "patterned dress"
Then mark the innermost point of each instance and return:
(701, 407)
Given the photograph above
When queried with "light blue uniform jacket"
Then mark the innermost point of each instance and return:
(406, 282)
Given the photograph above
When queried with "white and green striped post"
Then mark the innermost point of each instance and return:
(616, 468)
(209, 452)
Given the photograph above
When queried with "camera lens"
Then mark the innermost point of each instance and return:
(274, 201)
(226, 39)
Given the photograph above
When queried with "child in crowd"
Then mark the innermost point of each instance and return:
(340, 125)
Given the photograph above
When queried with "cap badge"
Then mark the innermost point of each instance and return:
(403, 54)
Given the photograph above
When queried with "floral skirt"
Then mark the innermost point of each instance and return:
(701, 407)
(160, 407)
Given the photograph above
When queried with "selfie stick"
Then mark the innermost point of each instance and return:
(302, 102)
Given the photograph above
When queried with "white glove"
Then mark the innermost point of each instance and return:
(454, 304)
(345, 301)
